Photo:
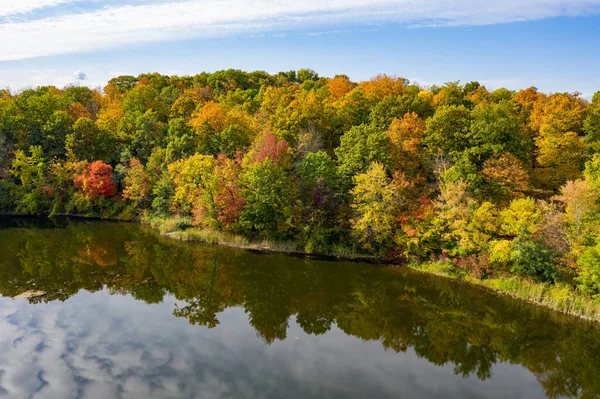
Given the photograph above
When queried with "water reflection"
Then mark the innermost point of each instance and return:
(440, 338)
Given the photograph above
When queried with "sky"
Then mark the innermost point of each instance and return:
(551, 44)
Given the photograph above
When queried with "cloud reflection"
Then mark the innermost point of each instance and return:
(110, 346)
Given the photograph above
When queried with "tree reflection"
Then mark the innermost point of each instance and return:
(442, 321)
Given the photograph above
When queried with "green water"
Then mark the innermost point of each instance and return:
(129, 314)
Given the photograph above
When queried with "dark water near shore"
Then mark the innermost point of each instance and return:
(129, 314)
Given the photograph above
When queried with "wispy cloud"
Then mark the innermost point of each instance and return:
(122, 25)
(12, 7)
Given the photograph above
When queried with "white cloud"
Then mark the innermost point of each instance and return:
(116, 26)
(12, 7)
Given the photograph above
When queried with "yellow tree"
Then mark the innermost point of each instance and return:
(373, 200)
(506, 177)
(137, 183)
(558, 113)
(211, 114)
(561, 152)
(581, 209)
(405, 140)
(338, 86)
(381, 86)
(194, 182)
(521, 217)
(561, 157)
(468, 225)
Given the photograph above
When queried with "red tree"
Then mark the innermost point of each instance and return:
(95, 181)
(269, 147)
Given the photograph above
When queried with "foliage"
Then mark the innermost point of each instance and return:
(373, 200)
(496, 183)
(506, 178)
(137, 184)
(530, 258)
(95, 182)
(269, 199)
(89, 142)
(194, 183)
(589, 277)
(359, 147)
(32, 193)
(521, 217)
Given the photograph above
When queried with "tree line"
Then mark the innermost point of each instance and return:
(499, 183)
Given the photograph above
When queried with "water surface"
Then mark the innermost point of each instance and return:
(129, 314)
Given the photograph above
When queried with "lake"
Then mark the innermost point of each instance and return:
(126, 313)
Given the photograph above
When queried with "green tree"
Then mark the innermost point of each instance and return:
(449, 130)
(319, 183)
(589, 276)
(31, 193)
(56, 130)
(270, 199)
(531, 258)
(591, 125)
(140, 133)
(359, 147)
(89, 142)
(495, 129)
(181, 141)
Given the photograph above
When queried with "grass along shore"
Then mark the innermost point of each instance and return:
(178, 228)
(559, 297)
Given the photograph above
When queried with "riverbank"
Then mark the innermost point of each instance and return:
(175, 228)
(559, 297)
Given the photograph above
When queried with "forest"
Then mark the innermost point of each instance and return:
(491, 183)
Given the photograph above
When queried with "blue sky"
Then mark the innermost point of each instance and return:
(551, 44)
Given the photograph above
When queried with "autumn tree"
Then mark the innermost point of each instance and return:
(580, 200)
(269, 146)
(525, 254)
(229, 199)
(338, 86)
(506, 177)
(137, 184)
(560, 157)
(373, 201)
(194, 183)
(468, 226)
(95, 182)
(406, 135)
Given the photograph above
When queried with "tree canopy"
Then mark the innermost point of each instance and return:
(384, 167)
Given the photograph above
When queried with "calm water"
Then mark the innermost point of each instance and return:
(128, 314)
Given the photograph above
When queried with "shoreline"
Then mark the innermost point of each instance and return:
(559, 298)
